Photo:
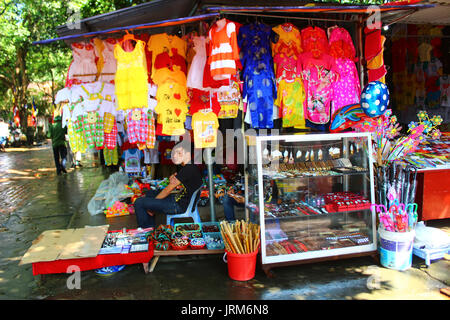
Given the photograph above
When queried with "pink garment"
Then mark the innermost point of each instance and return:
(137, 129)
(318, 76)
(83, 63)
(346, 89)
(195, 74)
(341, 44)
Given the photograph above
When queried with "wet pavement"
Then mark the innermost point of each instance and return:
(34, 199)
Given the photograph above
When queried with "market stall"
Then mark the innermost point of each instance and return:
(133, 92)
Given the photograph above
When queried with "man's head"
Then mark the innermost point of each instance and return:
(181, 153)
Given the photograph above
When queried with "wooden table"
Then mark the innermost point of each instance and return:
(160, 253)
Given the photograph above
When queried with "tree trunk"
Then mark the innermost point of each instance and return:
(22, 83)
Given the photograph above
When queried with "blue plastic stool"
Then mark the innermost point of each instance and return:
(191, 211)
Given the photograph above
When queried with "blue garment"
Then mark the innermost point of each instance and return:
(258, 74)
(228, 207)
(167, 205)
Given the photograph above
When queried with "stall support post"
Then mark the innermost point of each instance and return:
(360, 37)
(209, 164)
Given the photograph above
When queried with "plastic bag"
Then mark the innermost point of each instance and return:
(110, 190)
(430, 238)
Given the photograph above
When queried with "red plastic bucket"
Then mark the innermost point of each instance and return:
(241, 267)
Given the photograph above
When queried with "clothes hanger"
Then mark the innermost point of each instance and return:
(128, 36)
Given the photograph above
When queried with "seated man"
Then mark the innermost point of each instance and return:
(165, 202)
(229, 201)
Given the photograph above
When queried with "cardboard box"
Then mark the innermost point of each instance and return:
(66, 244)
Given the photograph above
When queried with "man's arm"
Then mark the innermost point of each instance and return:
(174, 182)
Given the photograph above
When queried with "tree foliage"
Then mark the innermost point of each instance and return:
(21, 63)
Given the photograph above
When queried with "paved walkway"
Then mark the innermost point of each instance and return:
(33, 199)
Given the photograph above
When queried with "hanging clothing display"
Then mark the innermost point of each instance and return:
(229, 100)
(346, 88)
(151, 132)
(110, 130)
(166, 44)
(373, 50)
(172, 108)
(131, 80)
(289, 39)
(132, 160)
(318, 75)
(258, 74)
(137, 126)
(83, 68)
(224, 51)
(196, 69)
(201, 100)
(106, 64)
(290, 91)
(204, 126)
(111, 156)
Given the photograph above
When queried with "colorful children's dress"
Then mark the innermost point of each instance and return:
(318, 74)
(195, 74)
(289, 37)
(108, 66)
(83, 64)
(131, 81)
(137, 126)
(346, 88)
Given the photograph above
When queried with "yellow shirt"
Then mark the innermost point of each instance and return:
(159, 43)
(131, 80)
(172, 108)
(165, 74)
(204, 126)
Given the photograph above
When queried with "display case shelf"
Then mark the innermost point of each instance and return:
(323, 215)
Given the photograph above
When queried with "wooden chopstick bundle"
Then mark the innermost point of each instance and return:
(242, 237)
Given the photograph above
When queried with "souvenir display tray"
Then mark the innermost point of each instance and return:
(312, 169)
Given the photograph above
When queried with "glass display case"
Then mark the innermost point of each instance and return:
(312, 195)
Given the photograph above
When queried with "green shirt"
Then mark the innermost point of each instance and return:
(57, 134)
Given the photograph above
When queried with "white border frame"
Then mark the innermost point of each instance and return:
(319, 253)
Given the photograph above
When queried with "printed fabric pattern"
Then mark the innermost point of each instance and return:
(137, 129)
(346, 89)
(258, 73)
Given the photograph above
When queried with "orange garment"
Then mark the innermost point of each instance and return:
(224, 50)
(131, 81)
(376, 62)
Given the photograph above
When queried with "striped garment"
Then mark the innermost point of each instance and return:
(224, 50)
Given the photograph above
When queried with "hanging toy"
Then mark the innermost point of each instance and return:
(375, 99)
(346, 117)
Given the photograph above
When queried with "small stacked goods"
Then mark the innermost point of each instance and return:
(241, 237)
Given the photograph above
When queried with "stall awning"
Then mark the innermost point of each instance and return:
(317, 8)
(168, 13)
(157, 24)
(437, 15)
